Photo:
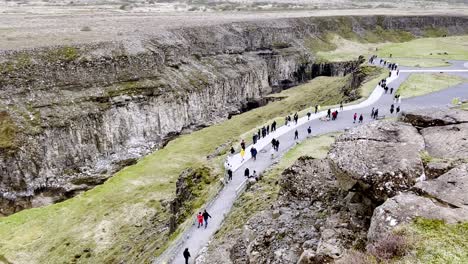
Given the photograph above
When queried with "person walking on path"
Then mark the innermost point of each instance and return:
(232, 150)
(392, 108)
(309, 130)
(246, 172)
(254, 139)
(376, 113)
(205, 217)
(268, 129)
(329, 113)
(371, 113)
(341, 105)
(398, 109)
(253, 152)
(355, 117)
(277, 145)
(296, 135)
(316, 108)
(242, 154)
(186, 255)
(391, 90)
(200, 219)
(296, 117)
(361, 118)
(242, 144)
(308, 115)
(273, 126)
(229, 172)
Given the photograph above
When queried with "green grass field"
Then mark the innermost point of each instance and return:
(423, 83)
(422, 52)
(124, 219)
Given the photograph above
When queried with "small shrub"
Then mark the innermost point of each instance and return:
(389, 247)
(85, 28)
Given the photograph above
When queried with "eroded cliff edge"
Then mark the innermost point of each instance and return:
(74, 115)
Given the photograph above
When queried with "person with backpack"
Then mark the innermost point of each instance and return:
(200, 219)
(309, 130)
(186, 255)
(253, 152)
(205, 217)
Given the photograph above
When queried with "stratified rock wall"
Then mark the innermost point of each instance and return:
(83, 112)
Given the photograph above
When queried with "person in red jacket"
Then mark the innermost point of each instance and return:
(200, 219)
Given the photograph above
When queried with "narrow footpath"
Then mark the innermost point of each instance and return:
(195, 239)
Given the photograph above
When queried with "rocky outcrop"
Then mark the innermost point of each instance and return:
(381, 158)
(312, 221)
(452, 146)
(435, 117)
(444, 195)
(85, 111)
(187, 186)
(326, 207)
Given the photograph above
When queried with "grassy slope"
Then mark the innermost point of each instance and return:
(437, 242)
(110, 218)
(423, 83)
(266, 190)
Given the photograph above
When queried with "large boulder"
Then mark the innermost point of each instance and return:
(444, 198)
(403, 208)
(450, 188)
(381, 158)
(447, 142)
(435, 117)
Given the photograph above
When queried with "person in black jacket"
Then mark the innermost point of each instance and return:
(186, 255)
(205, 217)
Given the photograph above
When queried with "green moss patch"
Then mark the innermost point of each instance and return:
(8, 131)
(438, 242)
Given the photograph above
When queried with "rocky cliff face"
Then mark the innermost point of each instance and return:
(74, 115)
(350, 199)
